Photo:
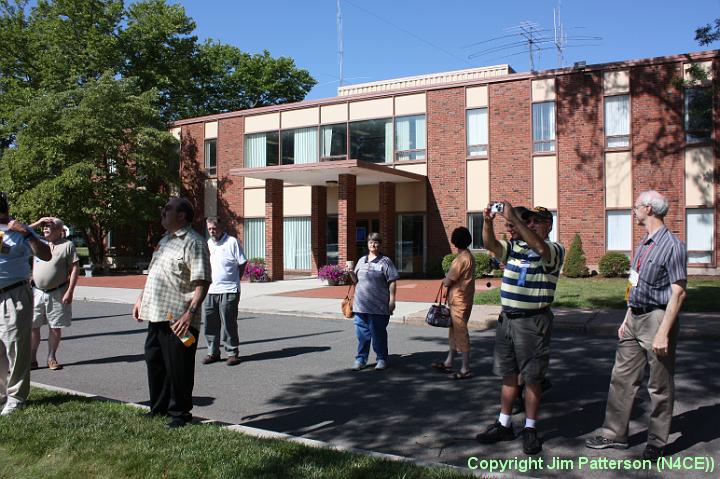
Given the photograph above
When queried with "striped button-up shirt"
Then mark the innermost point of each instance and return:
(181, 259)
(529, 281)
(661, 260)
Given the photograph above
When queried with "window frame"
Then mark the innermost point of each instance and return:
(689, 137)
(468, 145)
(627, 136)
(628, 211)
(470, 227)
(712, 263)
(396, 152)
(210, 145)
(552, 143)
(332, 157)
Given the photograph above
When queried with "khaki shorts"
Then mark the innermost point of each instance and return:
(48, 309)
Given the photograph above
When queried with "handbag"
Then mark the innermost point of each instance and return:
(347, 303)
(439, 314)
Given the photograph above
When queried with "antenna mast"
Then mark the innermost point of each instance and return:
(340, 41)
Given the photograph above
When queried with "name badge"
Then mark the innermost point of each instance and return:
(634, 277)
(524, 265)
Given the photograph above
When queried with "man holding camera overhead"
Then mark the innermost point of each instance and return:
(522, 339)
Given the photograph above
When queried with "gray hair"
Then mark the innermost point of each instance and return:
(656, 201)
(58, 223)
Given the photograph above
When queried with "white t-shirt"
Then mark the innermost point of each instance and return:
(226, 257)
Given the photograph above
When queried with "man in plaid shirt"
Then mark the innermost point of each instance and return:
(178, 279)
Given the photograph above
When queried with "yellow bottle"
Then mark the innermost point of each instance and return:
(188, 339)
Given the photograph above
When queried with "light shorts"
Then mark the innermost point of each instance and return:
(48, 309)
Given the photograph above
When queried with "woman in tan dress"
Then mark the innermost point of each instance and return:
(460, 281)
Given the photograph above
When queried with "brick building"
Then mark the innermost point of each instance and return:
(303, 184)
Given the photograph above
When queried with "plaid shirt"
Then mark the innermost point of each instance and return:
(180, 259)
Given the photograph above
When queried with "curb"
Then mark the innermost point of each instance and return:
(267, 434)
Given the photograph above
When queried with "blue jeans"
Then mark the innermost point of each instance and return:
(371, 328)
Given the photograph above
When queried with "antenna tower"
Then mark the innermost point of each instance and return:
(340, 41)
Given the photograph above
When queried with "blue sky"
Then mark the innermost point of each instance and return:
(394, 38)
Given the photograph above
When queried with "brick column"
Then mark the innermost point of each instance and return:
(318, 227)
(387, 218)
(347, 199)
(274, 228)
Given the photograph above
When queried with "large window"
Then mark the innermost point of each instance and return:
(333, 142)
(475, 225)
(299, 146)
(332, 240)
(296, 243)
(211, 157)
(371, 140)
(477, 132)
(261, 149)
(410, 243)
(700, 235)
(254, 232)
(543, 127)
(619, 231)
(698, 114)
(617, 121)
(410, 137)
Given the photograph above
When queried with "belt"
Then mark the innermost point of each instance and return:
(526, 314)
(645, 310)
(12, 286)
(48, 290)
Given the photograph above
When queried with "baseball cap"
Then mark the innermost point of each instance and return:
(542, 214)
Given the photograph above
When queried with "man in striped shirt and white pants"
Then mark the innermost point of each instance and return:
(656, 291)
(522, 339)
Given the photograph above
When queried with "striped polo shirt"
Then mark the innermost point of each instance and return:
(660, 260)
(534, 288)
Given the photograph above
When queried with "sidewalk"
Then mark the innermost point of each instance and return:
(307, 298)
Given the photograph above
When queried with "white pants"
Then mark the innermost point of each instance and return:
(16, 312)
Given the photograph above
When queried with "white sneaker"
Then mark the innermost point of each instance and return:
(10, 408)
(358, 365)
(381, 364)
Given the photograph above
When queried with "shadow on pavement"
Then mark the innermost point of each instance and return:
(108, 333)
(283, 353)
(128, 358)
(285, 338)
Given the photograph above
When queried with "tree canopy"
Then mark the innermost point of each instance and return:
(87, 89)
(709, 33)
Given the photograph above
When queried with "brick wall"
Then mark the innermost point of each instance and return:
(581, 162)
(658, 140)
(230, 188)
(347, 204)
(192, 158)
(446, 169)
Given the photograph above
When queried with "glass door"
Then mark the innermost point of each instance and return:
(410, 245)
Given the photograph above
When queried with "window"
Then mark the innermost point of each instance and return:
(543, 127)
(332, 240)
(371, 140)
(300, 146)
(410, 137)
(410, 244)
(296, 243)
(553, 235)
(619, 231)
(475, 225)
(698, 114)
(261, 149)
(254, 232)
(617, 121)
(477, 132)
(333, 140)
(211, 157)
(700, 235)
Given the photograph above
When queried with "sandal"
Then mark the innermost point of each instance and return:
(440, 366)
(461, 375)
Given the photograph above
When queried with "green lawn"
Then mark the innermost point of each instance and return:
(703, 294)
(62, 436)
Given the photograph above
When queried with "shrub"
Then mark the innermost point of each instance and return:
(447, 261)
(433, 268)
(256, 271)
(483, 264)
(575, 262)
(334, 273)
(613, 264)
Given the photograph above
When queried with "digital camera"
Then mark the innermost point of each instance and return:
(497, 207)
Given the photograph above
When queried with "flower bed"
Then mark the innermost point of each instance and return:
(334, 275)
(256, 272)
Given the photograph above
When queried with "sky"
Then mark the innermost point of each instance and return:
(384, 39)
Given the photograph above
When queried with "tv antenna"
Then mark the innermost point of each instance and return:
(340, 40)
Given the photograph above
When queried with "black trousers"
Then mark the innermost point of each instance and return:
(171, 371)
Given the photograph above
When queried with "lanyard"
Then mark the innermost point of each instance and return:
(642, 258)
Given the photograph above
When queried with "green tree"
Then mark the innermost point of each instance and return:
(575, 262)
(96, 155)
(709, 33)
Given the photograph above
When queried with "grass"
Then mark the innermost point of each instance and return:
(63, 436)
(703, 294)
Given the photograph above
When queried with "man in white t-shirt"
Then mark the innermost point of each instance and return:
(227, 261)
